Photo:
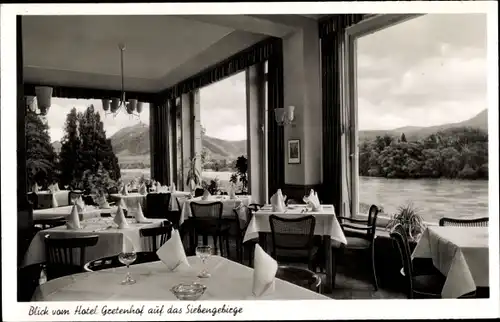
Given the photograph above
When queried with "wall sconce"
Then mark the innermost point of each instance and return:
(284, 116)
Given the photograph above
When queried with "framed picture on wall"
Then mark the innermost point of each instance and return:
(293, 151)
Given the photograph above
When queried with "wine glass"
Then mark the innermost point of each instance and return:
(204, 252)
(127, 258)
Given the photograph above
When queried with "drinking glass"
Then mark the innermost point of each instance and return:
(204, 252)
(127, 258)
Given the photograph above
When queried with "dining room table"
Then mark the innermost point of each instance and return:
(327, 226)
(228, 204)
(229, 281)
(47, 198)
(461, 254)
(111, 238)
(87, 213)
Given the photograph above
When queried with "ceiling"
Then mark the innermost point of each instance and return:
(82, 51)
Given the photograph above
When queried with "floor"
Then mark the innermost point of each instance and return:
(352, 281)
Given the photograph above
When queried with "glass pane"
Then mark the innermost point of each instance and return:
(423, 126)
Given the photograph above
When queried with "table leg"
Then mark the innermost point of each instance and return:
(330, 278)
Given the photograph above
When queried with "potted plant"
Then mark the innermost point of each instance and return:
(213, 187)
(408, 216)
(193, 178)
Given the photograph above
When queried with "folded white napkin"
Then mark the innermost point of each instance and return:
(265, 268)
(139, 215)
(56, 187)
(73, 221)
(158, 186)
(172, 188)
(35, 188)
(124, 190)
(80, 205)
(143, 190)
(206, 194)
(120, 218)
(51, 188)
(282, 198)
(55, 204)
(277, 203)
(313, 200)
(172, 253)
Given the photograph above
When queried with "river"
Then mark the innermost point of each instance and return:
(434, 198)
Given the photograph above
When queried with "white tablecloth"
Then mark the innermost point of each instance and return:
(90, 212)
(459, 253)
(230, 281)
(227, 205)
(45, 198)
(326, 221)
(110, 238)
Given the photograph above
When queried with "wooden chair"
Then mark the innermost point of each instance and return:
(33, 199)
(300, 276)
(293, 240)
(60, 254)
(478, 222)
(114, 262)
(157, 236)
(360, 235)
(27, 281)
(50, 222)
(207, 221)
(241, 228)
(198, 192)
(422, 279)
(157, 205)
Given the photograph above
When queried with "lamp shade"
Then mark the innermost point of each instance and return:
(139, 107)
(279, 114)
(105, 104)
(115, 102)
(290, 112)
(132, 105)
(43, 98)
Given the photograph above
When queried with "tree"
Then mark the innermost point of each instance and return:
(95, 147)
(40, 155)
(69, 164)
(403, 137)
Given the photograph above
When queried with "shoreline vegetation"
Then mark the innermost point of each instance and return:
(455, 153)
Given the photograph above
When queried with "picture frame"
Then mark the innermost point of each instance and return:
(294, 151)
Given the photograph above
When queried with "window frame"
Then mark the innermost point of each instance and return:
(367, 26)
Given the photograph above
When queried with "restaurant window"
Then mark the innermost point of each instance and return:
(80, 146)
(420, 114)
(223, 117)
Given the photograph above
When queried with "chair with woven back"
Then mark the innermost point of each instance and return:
(157, 236)
(300, 276)
(293, 240)
(114, 262)
(157, 205)
(360, 235)
(477, 222)
(422, 279)
(242, 217)
(62, 254)
(46, 223)
(207, 221)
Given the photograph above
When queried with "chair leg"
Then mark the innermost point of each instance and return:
(227, 245)
(215, 237)
(375, 282)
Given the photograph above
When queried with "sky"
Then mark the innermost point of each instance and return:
(426, 71)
